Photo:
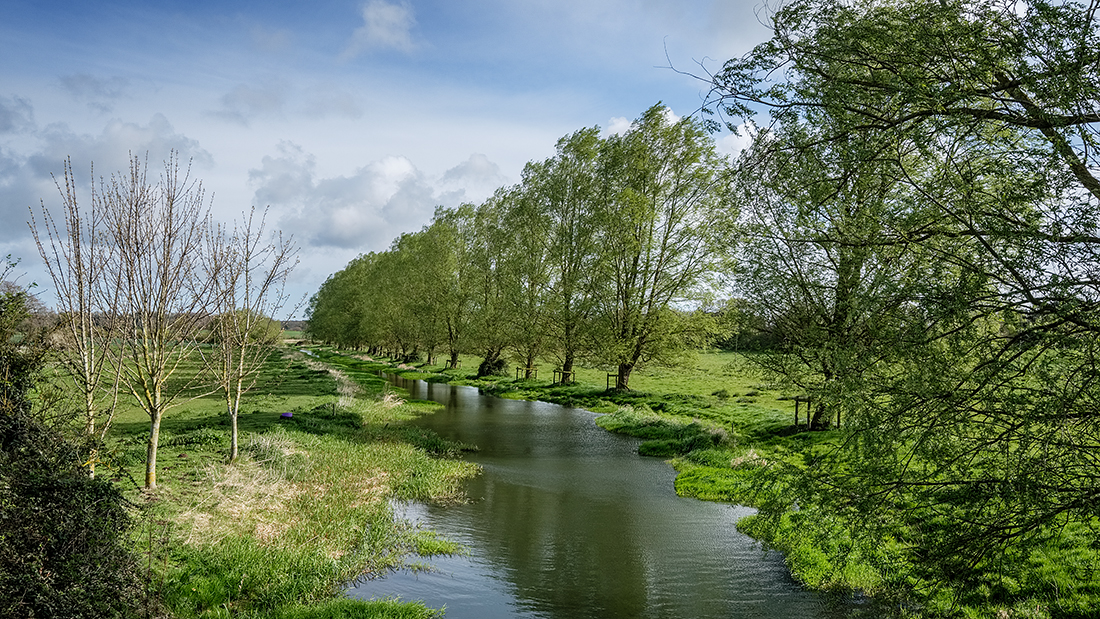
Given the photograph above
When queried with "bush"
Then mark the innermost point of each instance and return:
(63, 546)
(62, 534)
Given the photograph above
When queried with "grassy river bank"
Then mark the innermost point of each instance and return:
(305, 509)
(731, 437)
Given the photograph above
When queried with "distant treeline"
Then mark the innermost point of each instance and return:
(605, 252)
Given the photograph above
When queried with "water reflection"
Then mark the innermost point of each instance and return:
(568, 521)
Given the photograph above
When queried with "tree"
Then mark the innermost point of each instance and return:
(248, 275)
(165, 297)
(527, 272)
(664, 190)
(336, 313)
(825, 258)
(76, 259)
(567, 185)
(980, 432)
(63, 535)
(486, 254)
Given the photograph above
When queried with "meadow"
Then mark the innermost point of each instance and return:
(307, 507)
(304, 510)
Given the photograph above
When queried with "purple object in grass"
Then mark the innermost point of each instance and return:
(287, 415)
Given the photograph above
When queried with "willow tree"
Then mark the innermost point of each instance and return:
(567, 186)
(487, 251)
(527, 273)
(985, 424)
(664, 189)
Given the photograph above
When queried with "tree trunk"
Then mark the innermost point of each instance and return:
(151, 453)
(233, 433)
(622, 381)
(491, 365)
(567, 367)
(530, 369)
(821, 418)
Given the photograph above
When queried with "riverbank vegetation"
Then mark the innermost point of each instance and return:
(278, 531)
(906, 247)
(904, 254)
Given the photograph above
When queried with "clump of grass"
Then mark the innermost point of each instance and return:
(359, 609)
(665, 436)
(243, 498)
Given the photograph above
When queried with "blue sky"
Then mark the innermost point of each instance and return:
(352, 120)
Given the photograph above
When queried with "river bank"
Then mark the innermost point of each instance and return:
(732, 438)
(305, 509)
(714, 422)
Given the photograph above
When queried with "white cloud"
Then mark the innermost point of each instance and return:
(385, 26)
(732, 144)
(367, 209)
(98, 93)
(618, 126)
(16, 115)
(245, 102)
(470, 181)
(477, 168)
(111, 149)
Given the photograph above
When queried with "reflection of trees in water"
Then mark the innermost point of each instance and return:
(565, 552)
(572, 523)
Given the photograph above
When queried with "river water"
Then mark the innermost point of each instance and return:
(568, 521)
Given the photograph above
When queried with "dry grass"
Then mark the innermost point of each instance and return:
(243, 498)
(749, 458)
(390, 399)
(346, 388)
(259, 494)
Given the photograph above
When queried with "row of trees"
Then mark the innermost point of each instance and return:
(147, 287)
(921, 224)
(602, 252)
(917, 231)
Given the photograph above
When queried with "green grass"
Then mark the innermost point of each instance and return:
(305, 509)
(726, 430)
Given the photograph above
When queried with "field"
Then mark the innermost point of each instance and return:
(306, 507)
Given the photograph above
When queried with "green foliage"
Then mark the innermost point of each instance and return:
(928, 165)
(63, 545)
(589, 257)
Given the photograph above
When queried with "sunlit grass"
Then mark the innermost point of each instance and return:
(728, 427)
(306, 507)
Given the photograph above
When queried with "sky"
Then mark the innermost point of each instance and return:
(351, 121)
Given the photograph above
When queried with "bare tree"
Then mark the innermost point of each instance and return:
(76, 255)
(164, 292)
(249, 274)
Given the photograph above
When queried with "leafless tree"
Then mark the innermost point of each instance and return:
(165, 289)
(249, 273)
(76, 254)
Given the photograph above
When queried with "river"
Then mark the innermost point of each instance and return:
(568, 521)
